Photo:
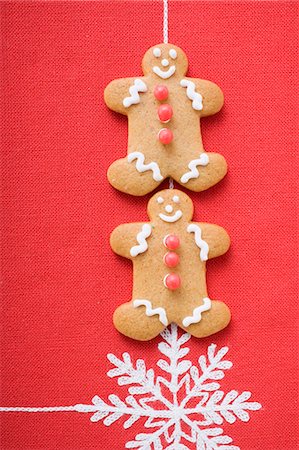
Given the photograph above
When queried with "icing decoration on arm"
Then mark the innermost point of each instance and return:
(141, 167)
(196, 315)
(149, 311)
(138, 86)
(201, 244)
(192, 94)
(203, 160)
(164, 73)
(141, 239)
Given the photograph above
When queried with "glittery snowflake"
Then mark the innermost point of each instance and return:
(183, 409)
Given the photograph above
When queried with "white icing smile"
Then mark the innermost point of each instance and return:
(164, 73)
(176, 216)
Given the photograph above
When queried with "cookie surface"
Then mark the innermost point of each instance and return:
(164, 108)
(169, 256)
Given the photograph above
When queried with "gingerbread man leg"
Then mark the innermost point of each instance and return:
(133, 175)
(209, 317)
(138, 320)
(201, 173)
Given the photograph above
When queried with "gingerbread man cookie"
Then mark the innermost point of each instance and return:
(164, 108)
(169, 257)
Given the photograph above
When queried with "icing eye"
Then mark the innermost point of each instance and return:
(160, 200)
(176, 199)
(157, 52)
(172, 53)
(165, 62)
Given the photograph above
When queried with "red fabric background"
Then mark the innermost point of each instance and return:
(61, 281)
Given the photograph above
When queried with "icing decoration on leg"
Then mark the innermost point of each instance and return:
(141, 239)
(138, 86)
(149, 311)
(196, 315)
(124, 177)
(192, 94)
(203, 160)
(141, 167)
(201, 244)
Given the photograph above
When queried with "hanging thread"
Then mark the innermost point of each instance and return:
(165, 21)
(165, 39)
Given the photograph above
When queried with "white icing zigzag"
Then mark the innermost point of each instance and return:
(149, 311)
(138, 86)
(203, 245)
(196, 316)
(203, 160)
(192, 94)
(141, 167)
(141, 239)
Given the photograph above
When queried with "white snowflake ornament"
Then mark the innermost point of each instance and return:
(181, 422)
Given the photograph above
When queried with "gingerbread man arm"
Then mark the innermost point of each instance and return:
(212, 240)
(121, 94)
(207, 98)
(130, 239)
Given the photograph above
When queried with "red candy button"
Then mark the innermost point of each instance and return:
(165, 113)
(171, 241)
(161, 92)
(165, 136)
(171, 259)
(172, 281)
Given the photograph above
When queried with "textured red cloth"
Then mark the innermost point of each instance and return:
(61, 281)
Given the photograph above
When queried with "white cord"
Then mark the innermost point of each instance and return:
(165, 21)
(38, 409)
(165, 39)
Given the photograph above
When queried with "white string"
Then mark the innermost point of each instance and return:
(165, 39)
(165, 21)
(38, 409)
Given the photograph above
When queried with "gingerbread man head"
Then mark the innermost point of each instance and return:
(169, 206)
(165, 61)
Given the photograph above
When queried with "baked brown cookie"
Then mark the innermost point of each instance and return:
(169, 256)
(164, 108)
